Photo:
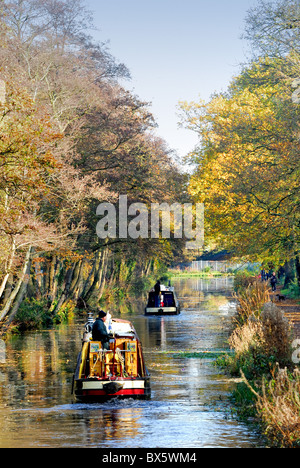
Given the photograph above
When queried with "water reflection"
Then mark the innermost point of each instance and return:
(189, 405)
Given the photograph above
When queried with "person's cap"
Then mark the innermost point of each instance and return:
(101, 314)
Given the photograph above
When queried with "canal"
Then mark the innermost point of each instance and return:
(189, 407)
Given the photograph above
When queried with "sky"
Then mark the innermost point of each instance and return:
(175, 50)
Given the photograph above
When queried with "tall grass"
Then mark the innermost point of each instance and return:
(251, 300)
(262, 345)
(278, 405)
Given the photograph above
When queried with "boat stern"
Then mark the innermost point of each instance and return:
(162, 311)
(100, 390)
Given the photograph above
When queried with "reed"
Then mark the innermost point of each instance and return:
(262, 344)
(277, 334)
(250, 301)
(278, 405)
(248, 336)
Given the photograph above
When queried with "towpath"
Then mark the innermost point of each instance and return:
(291, 308)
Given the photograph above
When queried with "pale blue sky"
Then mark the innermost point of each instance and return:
(175, 50)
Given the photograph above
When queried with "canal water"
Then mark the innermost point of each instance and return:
(189, 407)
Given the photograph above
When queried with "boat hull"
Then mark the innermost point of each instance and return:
(162, 311)
(101, 390)
(117, 372)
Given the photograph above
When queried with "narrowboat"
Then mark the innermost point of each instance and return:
(119, 372)
(165, 304)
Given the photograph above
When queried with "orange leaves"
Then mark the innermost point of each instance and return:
(25, 144)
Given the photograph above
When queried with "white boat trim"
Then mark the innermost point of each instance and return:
(159, 309)
(127, 384)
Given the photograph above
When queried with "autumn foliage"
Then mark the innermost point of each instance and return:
(71, 138)
(247, 165)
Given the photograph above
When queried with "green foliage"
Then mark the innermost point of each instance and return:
(33, 314)
(64, 313)
(196, 274)
(207, 269)
(243, 279)
(293, 290)
(244, 401)
(202, 355)
(254, 363)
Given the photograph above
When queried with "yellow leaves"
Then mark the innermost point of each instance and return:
(246, 166)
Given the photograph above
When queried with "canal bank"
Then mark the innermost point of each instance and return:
(266, 356)
(189, 408)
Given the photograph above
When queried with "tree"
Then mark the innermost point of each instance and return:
(26, 162)
(247, 161)
(273, 29)
(248, 166)
(78, 139)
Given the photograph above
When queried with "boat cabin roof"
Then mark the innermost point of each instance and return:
(123, 328)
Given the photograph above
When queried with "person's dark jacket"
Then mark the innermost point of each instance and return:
(157, 289)
(99, 331)
(274, 280)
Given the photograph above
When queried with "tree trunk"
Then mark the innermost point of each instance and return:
(298, 269)
(8, 268)
(81, 280)
(51, 280)
(20, 296)
(20, 287)
(96, 287)
(65, 295)
(54, 283)
(289, 269)
(8, 289)
(90, 281)
(3, 284)
(148, 268)
(73, 293)
(102, 284)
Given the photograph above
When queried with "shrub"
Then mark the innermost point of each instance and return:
(32, 314)
(262, 347)
(251, 300)
(277, 334)
(293, 291)
(207, 269)
(260, 343)
(243, 279)
(65, 312)
(246, 337)
(248, 344)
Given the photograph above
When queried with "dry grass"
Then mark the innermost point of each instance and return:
(279, 407)
(251, 301)
(245, 337)
(262, 344)
(262, 341)
(277, 333)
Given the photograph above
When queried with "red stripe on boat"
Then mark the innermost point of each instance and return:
(129, 391)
